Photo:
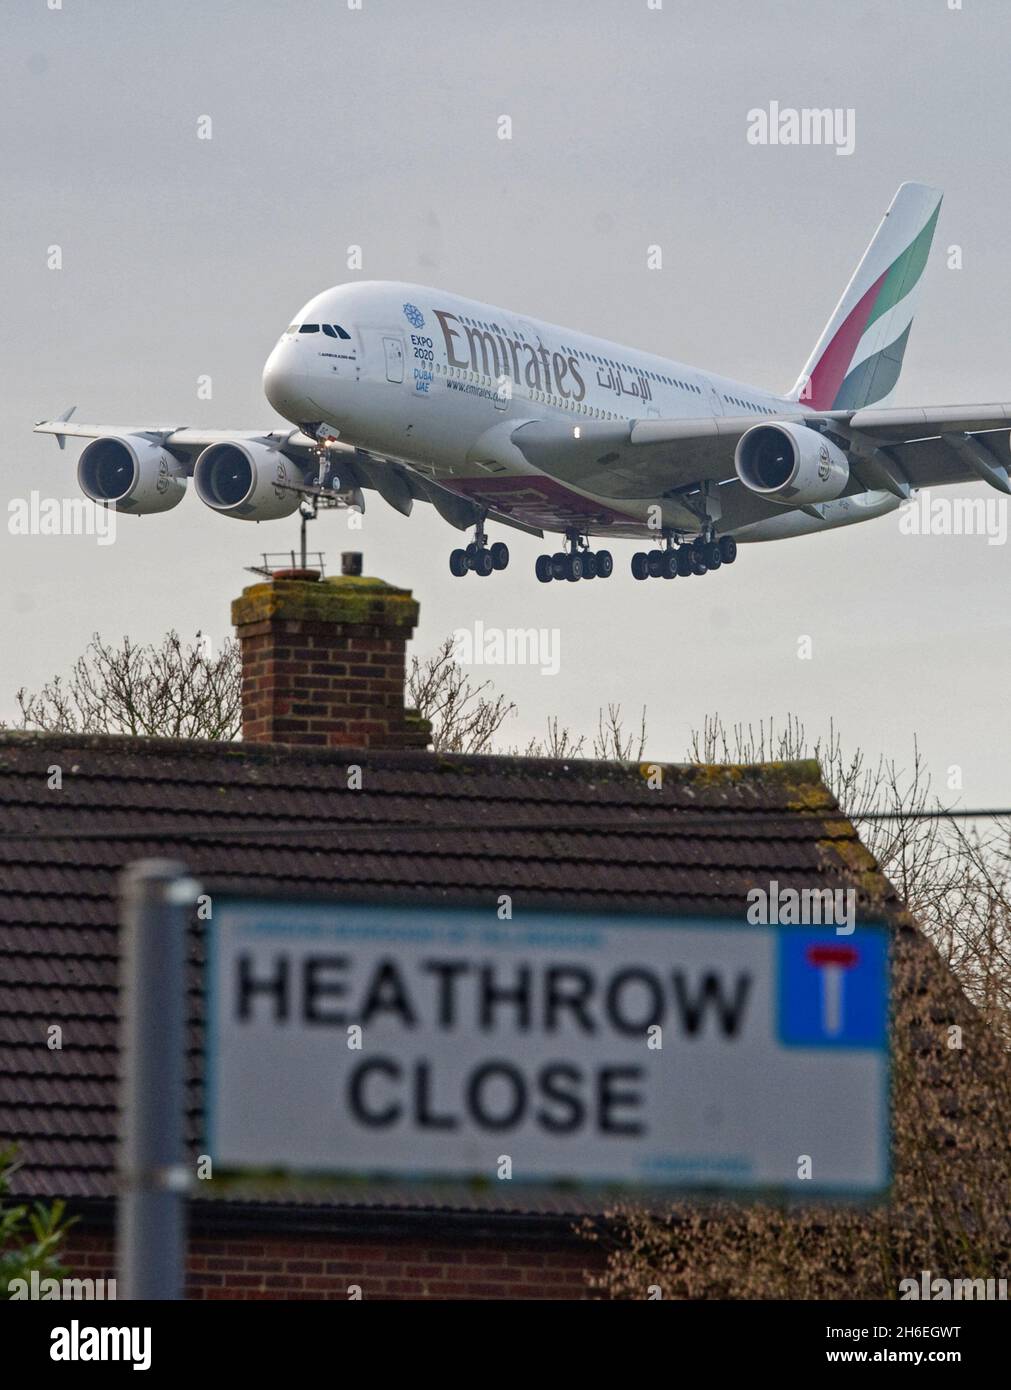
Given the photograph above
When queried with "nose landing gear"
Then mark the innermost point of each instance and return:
(696, 557)
(479, 556)
(579, 562)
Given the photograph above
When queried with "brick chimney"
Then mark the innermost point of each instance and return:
(323, 661)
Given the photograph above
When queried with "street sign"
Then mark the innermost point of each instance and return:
(643, 1050)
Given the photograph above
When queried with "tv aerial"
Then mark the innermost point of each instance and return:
(324, 494)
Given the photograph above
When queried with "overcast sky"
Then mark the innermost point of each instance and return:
(185, 257)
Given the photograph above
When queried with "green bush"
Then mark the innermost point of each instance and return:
(31, 1234)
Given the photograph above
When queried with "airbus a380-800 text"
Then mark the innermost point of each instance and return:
(496, 418)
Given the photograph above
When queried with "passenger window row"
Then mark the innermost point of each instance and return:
(623, 366)
(749, 405)
(581, 407)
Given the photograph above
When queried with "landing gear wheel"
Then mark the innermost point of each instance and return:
(589, 565)
(574, 567)
(499, 556)
(640, 565)
(713, 556)
(669, 565)
(654, 561)
(684, 561)
(483, 563)
(605, 564)
(472, 550)
(559, 564)
(458, 563)
(728, 549)
(543, 569)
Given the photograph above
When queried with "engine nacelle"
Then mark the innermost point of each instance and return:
(247, 480)
(133, 473)
(791, 463)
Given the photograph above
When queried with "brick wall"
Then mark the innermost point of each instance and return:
(324, 663)
(280, 1267)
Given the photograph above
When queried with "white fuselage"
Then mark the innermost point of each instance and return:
(440, 383)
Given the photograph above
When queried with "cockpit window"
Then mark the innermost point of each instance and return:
(334, 330)
(309, 328)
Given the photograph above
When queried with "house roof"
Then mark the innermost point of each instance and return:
(423, 827)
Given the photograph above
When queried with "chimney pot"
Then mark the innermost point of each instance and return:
(308, 576)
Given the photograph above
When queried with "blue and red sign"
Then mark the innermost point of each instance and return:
(833, 989)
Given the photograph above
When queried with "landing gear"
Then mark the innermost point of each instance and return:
(479, 556)
(578, 562)
(698, 554)
(660, 564)
(696, 557)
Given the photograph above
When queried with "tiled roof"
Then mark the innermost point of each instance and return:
(424, 827)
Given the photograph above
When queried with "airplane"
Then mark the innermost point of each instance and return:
(495, 417)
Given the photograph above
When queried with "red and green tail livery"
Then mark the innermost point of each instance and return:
(859, 355)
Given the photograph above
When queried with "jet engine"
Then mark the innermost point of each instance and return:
(247, 480)
(791, 463)
(135, 474)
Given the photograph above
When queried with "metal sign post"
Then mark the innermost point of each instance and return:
(156, 897)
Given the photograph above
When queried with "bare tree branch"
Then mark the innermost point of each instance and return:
(174, 690)
(464, 717)
(956, 881)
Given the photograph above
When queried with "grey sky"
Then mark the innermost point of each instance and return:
(183, 257)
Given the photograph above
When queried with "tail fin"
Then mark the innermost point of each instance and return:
(859, 355)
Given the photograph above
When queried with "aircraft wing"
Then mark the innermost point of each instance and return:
(891, 449)
(185, 443)
(357, 469)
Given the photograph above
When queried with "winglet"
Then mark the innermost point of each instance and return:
(61, 439)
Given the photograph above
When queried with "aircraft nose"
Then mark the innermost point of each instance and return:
(284, 381)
